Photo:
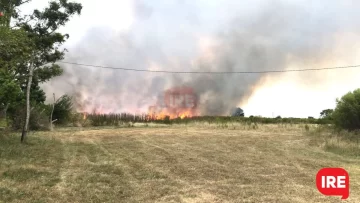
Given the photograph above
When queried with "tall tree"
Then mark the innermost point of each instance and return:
(15, 49)
(42, 28)
(347, 112)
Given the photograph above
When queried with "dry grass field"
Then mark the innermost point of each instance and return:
(193, 163)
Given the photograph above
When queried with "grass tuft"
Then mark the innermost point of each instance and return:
(339, 142)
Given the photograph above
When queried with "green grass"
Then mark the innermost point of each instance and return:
(179, 163)
(25, 168)
(2, 122)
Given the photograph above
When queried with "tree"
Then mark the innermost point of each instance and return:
(42, 27)
(62, 109)
(9, 9)
(326, 113)
(347, 112)
(9, 93)
(237, 112)
(15, 49)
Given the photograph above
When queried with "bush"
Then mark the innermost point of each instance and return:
(307, 128)
(167, 120)
(326, 114)
(347, 112)
(39, 119)
(62, 110)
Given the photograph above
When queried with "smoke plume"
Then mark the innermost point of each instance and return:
(185, 35)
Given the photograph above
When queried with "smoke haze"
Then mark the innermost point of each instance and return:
(184, 35)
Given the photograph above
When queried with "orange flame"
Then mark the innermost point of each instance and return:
(178, 102)
(163, 113)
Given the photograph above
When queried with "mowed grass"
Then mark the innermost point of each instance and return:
(194, 163)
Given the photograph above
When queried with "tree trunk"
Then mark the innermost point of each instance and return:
(26, 125)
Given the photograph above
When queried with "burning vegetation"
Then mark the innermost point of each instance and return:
(178, 102)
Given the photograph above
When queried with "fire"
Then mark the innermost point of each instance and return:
(95, 112)
(182, 113)
(186, 114)
(179, 102)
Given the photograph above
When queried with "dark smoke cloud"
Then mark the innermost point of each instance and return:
(168, 36)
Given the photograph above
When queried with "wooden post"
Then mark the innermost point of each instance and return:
(51, 115)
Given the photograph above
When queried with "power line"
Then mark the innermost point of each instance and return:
(210, 72)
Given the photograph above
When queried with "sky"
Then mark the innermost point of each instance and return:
(212, 35)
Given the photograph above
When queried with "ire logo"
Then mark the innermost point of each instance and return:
(333, 182)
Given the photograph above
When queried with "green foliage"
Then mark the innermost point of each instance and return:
(40, 118)
(63, 109)
(347, 112)
(17, 100)
(9, 90)
(15, 49)
(167, 120)
(118, 119)
(42, 27)
(8, 8)
(35, 41)
(113, 119)
(39, 115)
(326, 114)
(37, 95)
(46, 73)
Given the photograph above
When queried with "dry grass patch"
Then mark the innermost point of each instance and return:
(180, 163)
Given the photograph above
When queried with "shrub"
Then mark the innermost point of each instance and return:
(39, 119)
(62, 110)
(307, 128)
(347, 112)
(167, 120)
(326, 114)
